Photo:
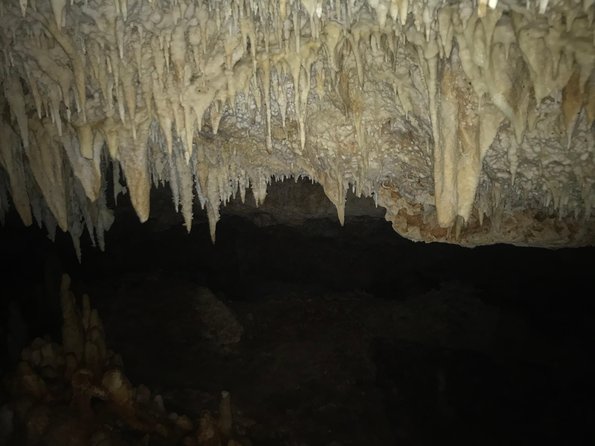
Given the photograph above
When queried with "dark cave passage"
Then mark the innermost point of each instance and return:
(349, 335)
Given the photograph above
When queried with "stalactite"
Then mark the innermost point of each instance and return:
(446, 149)
(46, 163)
(572, 102)
(185, 186)
(135, 165)
(414, 90)
(11, 159)
(86, 169)
(13, 92)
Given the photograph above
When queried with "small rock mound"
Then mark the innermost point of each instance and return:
(218, 323)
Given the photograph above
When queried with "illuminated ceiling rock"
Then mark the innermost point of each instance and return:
(471, 122)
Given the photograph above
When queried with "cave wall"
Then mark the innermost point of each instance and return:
(470, 122)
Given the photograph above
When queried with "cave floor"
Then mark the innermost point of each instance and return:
(351, 335)
(317, 367)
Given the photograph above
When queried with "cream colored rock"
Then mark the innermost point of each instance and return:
(470, 110)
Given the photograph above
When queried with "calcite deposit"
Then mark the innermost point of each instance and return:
(75, 392)
(469, 121)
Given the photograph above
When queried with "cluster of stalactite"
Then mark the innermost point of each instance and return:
(471, 109)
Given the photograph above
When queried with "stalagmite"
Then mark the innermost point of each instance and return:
(446, 101)
(72, 330)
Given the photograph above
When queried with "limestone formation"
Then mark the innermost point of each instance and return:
(76, 393)
(469, 121)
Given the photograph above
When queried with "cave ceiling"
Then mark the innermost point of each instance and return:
(471, 122)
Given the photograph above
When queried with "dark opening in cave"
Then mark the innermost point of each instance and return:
(347, 335)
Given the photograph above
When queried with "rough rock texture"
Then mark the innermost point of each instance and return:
(470, 122)
(218, 323)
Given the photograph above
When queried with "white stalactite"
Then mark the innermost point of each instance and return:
(448, 101)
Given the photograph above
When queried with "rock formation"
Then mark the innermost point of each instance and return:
(75, 392)
(470, 122)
